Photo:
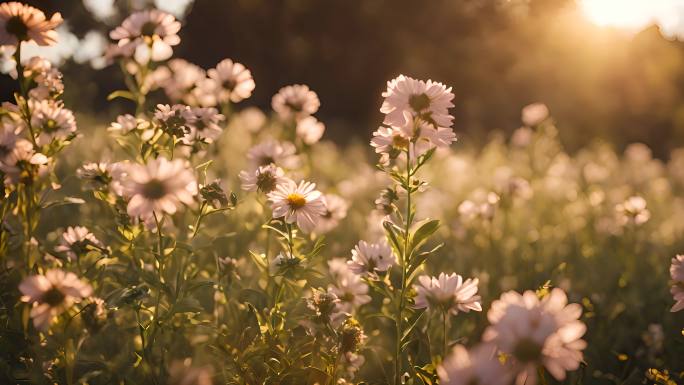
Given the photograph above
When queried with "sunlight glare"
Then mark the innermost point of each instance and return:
(635, 14)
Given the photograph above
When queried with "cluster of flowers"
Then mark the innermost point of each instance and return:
(293, 323)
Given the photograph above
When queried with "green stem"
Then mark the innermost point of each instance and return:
(542, 376)
(445, 345)
(199, 219)
(404, 262)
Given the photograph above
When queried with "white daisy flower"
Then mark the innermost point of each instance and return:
(310, 130)
(447, 293)
(348, 287)
(52, 120)
(124, 124)
(19, 22)
(150, 34)
(295, 102)
(428, 100)
(204, 126)
(677, 289)
(427, 133)
(282, 154)
(75, 242)
(52, 294)
(389, 139)
(369, 258)
(160, 186)
(633, 211)
(264, 178)
(479, 365)
(536, 332)
(534, 114)
(301, 203)
(232, 82)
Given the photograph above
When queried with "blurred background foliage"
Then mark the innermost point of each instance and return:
(498, 55)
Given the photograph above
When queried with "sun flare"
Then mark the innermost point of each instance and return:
(627, 14)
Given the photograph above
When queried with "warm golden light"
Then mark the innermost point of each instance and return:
(632, 14)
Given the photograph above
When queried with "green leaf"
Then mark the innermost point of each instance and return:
(426, 229)
(62, 202)
(121, 94)
(393, 237)
(187, 305)
(259, 260)
(407, 333)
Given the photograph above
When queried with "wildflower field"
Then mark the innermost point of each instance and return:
(196, 241)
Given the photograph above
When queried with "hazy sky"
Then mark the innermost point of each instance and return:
(630, 15)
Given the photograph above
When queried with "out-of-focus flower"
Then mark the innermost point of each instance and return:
(351, 336)
(182, 373)
(677, 289)
(370, 258)
(148, 34)
(335, 211)
(535, 113)
(428, 100)
(124, 124)
(522, 137)
(282, 154)
(214, 194)
(101, 176)
(8, 138)
(94, 314)
(158, 187)
(388, 139)
(174, 120)
(231, 81)
(295, 102)
(301, 203)
(536, 332)
(52, 120)
(48, 80)
(348, 287)
(283, 263)
(75, 242)
(204, 125)
(385, 203)
(264, 178)
(483, 205)
(252, 118)
(324, 304)
(448, 293)
(180, 81)
(310, 130)
(22, 163)
(479, 365)
(19, 22)
(633, 211)
(51, 294)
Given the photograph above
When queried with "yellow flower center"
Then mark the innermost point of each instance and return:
(296, 200)
(399, 141)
